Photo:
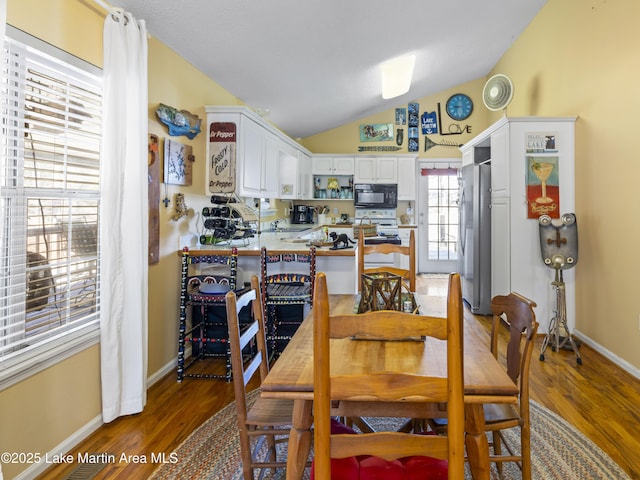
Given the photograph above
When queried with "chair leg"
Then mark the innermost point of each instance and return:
(497, 451)
(525, 451)
(271, 448)
(271, 330)
(247, 457)
(272, 452)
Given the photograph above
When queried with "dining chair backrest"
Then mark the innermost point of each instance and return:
(408, 274)
(518, 313)
(523, 327)
(252, 335)
(268, 419)
(387, 386)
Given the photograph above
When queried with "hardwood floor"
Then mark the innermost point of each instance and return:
(597, 397)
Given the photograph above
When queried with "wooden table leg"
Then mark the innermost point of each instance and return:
(299, 438)
(476, 441)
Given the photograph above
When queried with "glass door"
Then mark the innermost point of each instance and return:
(438, 217)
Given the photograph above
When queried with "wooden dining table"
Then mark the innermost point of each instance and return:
(485, 380)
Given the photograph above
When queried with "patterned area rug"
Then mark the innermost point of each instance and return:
(558, 451)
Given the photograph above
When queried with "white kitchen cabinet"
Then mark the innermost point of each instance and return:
(500, 162)
(467, 157)
(305, 178)
(383, 169)
(516, 263)
(288, 170)
(295, 173)
(259, 149)
(259, 163)
(500, 246)
(332, 164)
(407, 178)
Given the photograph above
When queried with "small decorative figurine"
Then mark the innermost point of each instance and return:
(181, 208)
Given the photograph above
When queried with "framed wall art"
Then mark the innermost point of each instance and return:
(543, 186)
(376, 132)
(178, 162)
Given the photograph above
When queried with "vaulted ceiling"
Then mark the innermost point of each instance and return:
(314, 64)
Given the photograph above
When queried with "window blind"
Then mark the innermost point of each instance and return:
(49, 198)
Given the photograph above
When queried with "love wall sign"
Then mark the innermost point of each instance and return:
(222, 157)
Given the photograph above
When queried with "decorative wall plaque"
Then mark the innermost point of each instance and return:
(221, 163)
(178, 162)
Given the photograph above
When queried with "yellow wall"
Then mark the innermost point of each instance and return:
(346, 138)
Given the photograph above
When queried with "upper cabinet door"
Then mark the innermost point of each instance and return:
(365, 170)
(288, 171)
(330, 165)
(387, 170)
(407, 178)
(270, 173)
(305, 180)
(500, 162)
(343, 165)
(376, 170)
(250, 158)
(322, 165)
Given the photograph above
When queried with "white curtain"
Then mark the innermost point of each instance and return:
(124, 212)
(3, 29)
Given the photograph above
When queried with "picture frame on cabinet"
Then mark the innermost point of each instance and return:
(543, 186)
(542, 142)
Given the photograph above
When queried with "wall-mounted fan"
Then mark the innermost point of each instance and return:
(497, 92)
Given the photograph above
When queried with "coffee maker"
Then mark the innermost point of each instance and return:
(302, 214)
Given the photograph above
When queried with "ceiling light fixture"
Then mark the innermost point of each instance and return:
(396, 75)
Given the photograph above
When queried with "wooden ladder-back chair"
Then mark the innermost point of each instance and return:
(408, 275)
(287, 279)
(387, 386)
(520, 318)
(267, 418)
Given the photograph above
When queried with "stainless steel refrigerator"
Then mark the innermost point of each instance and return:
(474, 237)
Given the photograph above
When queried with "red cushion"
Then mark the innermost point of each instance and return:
(375, 468)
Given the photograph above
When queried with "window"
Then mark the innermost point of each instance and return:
(442, 213)
(50, 114)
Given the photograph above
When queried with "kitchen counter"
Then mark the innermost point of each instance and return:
(277, 242)
(339, 265)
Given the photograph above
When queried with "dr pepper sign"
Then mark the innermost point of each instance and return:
(222, 157)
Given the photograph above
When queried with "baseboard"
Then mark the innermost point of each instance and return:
(155, 377)
(608, 354)
(71, 442)
(65, 446)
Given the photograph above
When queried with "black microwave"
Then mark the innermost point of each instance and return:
(378, 195)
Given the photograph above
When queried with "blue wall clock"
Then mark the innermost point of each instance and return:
(459, 106)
